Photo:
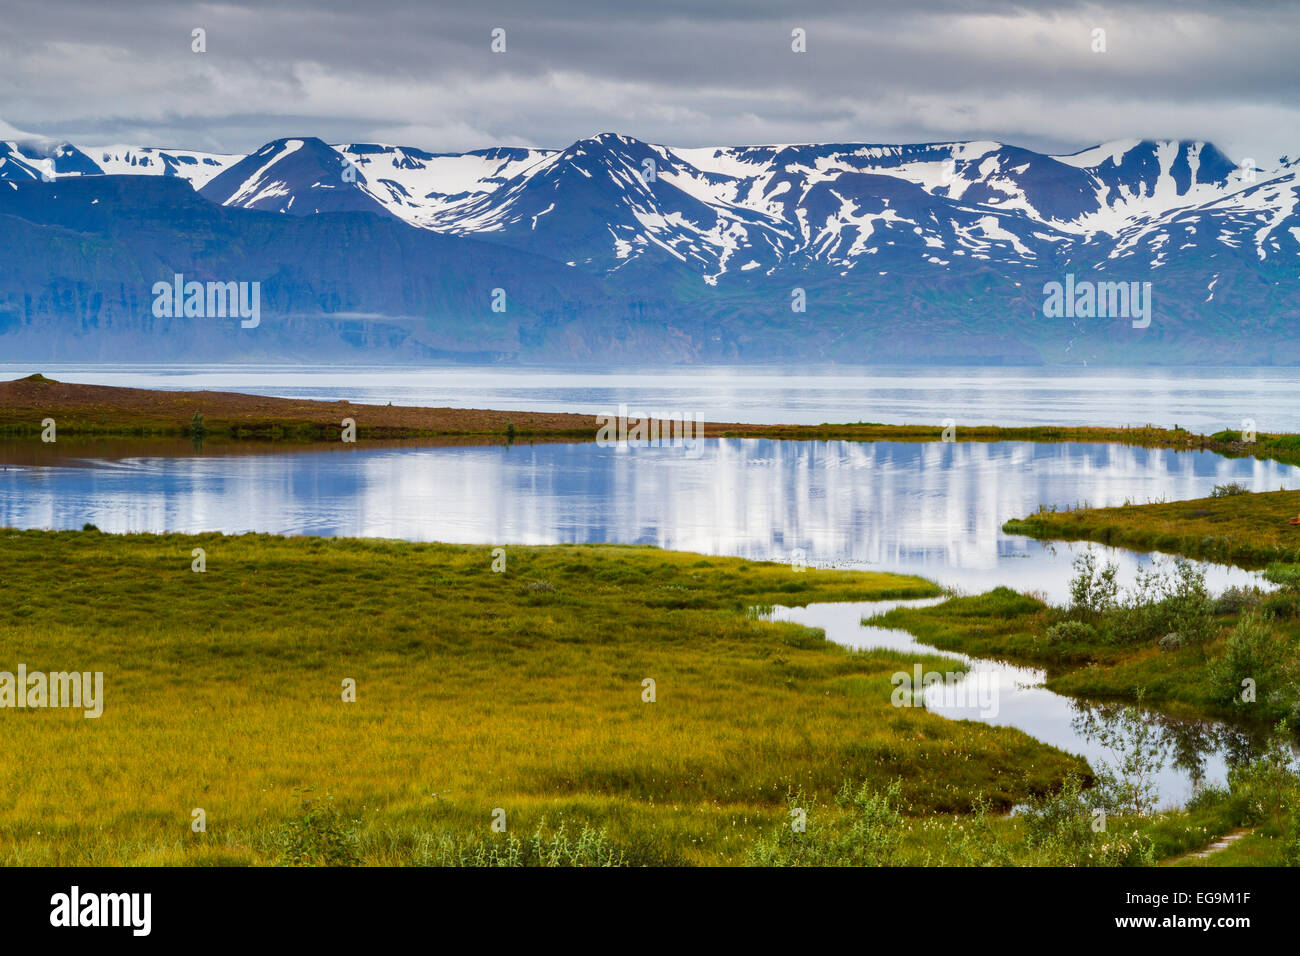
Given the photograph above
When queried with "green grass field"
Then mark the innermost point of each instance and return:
(519, 697)
(476, 691)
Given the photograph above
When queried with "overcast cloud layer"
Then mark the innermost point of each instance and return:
(679, 72)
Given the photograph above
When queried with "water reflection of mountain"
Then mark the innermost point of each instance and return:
(934, 509)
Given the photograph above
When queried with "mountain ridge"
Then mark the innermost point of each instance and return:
(686, 254)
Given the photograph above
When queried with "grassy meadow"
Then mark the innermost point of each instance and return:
(475, 691)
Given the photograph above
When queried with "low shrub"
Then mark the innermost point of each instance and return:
(1267, 792)
(1235, 600)
(1068, 828)
(589, 847)
(1283, 605)
(318, 836)
(1162, 603)
(1284, 574)
(1070, 634)
(1257, 671)
(1093, 591)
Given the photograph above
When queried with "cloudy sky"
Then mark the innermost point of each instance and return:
(681, 72)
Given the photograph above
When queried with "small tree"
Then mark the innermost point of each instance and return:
(1093, 592)
(1257, 670)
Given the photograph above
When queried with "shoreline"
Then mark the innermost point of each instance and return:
(94, 412)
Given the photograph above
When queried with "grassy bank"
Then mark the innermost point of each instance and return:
(516, 695)
(1166, 643)
(1171, 648)
(1250, 530)
(475, 690)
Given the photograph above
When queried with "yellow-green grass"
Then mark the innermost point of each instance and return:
(1246, 529)
(476, 690)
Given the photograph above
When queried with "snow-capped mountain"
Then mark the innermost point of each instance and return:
(432, 190)
(609, 199)
(34, 160)
(44, 161)
(297, 176)
(873, 233)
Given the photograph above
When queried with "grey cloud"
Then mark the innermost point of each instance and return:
(683, 72)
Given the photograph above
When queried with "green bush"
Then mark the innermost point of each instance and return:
(1161, 603)
(1235, 600)
(1255, 653)
(1070, 634)
(1283, 605)
(1071, 828)
(1093, 591)
(318, 836)
(1188, 605)
(1284, 574)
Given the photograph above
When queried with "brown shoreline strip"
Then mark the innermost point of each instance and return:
(104, 411)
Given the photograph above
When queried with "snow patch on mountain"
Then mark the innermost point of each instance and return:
(197, 168)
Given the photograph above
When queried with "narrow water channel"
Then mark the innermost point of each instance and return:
(1196, 753)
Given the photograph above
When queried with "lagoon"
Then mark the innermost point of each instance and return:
(933, 509)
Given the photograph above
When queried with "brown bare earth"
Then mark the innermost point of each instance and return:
(90, 410)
